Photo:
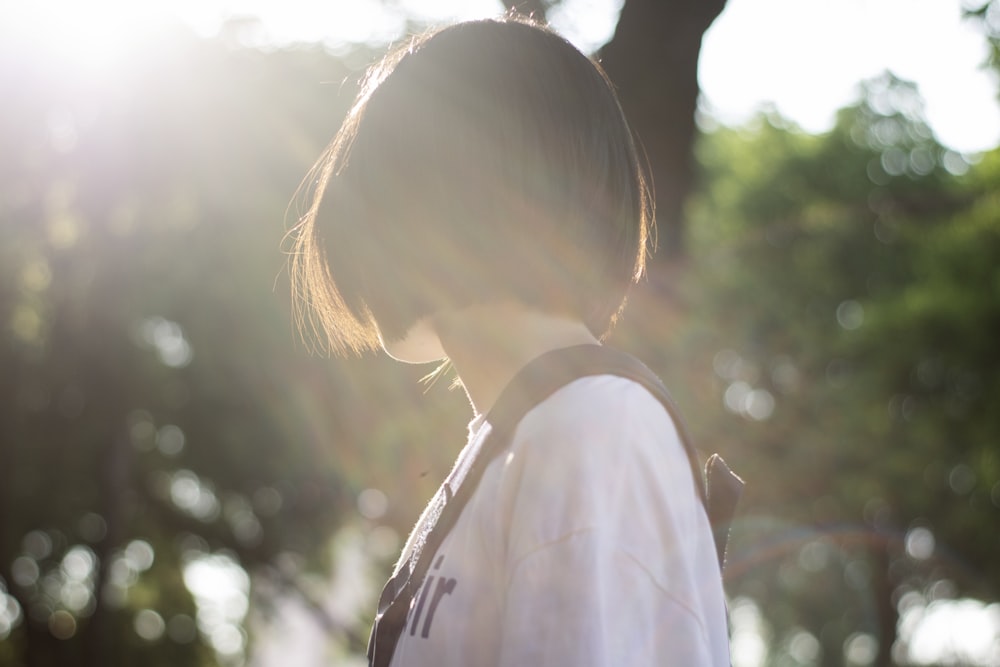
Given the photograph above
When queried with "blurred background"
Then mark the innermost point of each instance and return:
(183, 483)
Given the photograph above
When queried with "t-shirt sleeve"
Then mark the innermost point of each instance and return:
(608, 550)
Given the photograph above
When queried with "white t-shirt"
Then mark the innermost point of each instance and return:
(585, 544)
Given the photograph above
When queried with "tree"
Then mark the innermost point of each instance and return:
(833, 295)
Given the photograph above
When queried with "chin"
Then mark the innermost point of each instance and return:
(420, 345)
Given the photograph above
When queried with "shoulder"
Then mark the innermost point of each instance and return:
(601, 440)
(602, 411)
(599, 467)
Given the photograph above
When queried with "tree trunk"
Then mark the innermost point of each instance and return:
(115, 471)
(882, 590)
(653, 61)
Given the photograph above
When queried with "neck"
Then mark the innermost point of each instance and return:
(489, 344)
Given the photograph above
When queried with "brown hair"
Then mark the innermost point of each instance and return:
(486, 161)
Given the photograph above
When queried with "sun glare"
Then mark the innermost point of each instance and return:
(91, 35)
(99, 34)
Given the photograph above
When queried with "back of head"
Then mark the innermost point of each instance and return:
(488, 161)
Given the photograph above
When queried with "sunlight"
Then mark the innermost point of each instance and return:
(221, 589)
(963, 631)
(749, 635)
(92, 35)
(100, 34)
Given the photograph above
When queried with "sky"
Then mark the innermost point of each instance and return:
(807, 57)
(802, 57)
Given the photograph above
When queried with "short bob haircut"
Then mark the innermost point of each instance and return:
(488, 161)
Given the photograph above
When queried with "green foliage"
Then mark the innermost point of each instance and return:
(986, 15)
(844, 291)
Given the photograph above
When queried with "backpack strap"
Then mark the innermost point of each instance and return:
(553, 370)
(719, 490)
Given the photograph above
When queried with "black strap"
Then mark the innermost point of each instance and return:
(537, 381)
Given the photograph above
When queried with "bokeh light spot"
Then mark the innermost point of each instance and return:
(725, 363)
(62, 624)
(784, 374)
(36, 275)
(804, 647)
(190, 494)
(167, 339)
(140, 554)
(244, 523)
(735, 394)
(850, 314)
(10, 614)
(24, 571)
(920, 543)
(221, 590)
(64, 230)
(814, 556)
(141, 430)
(181, 629)
(170, 440)
(748, 646)
(26, 323)
(149, 625)
(267, 501)
(37, 544)
(758, 405)
(92, 527)
(372, 504)
(955, 163)
(860, 649)
(79, 563)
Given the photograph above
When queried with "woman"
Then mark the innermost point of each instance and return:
(483, 203)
